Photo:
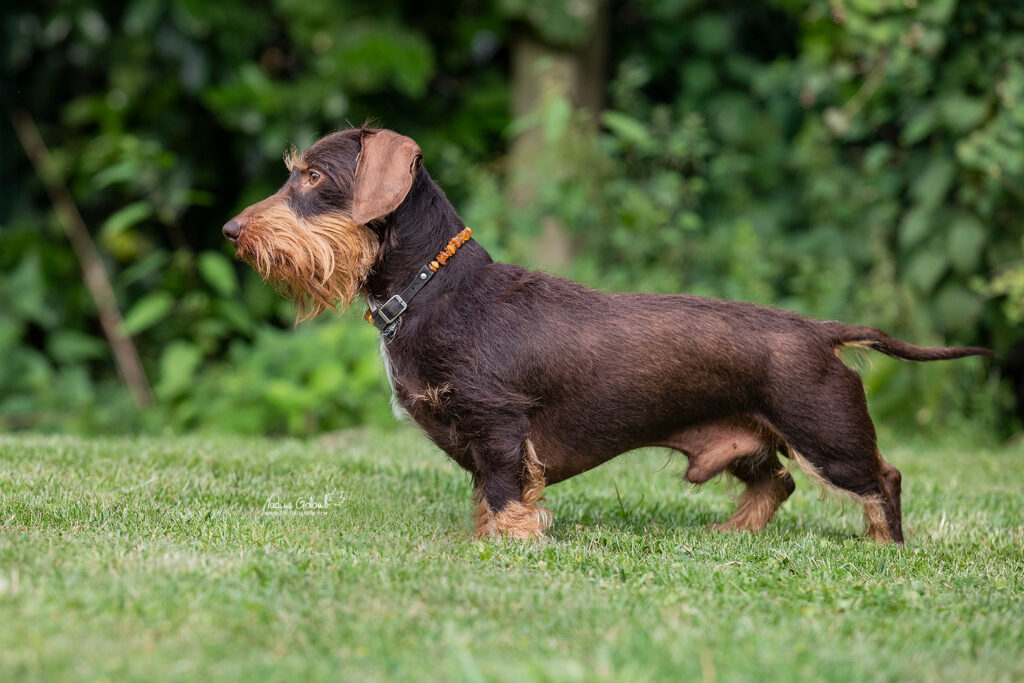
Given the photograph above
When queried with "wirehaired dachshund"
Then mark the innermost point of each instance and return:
(526, 379)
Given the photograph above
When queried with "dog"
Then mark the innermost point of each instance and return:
(526, 379)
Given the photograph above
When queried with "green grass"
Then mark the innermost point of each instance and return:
(151, 558)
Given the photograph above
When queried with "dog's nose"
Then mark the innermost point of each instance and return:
(232, 230)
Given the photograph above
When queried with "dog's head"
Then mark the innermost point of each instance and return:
(312, 237)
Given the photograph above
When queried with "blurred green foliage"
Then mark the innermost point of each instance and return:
(860, 160)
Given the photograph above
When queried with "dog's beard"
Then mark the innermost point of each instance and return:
(318, 263)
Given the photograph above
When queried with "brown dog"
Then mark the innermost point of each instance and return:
(526, 379)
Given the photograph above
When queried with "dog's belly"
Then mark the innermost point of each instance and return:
(580, 428)
(710, 447)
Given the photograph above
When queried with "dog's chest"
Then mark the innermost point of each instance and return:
(429, 405)
(397, 409)
(414, 397)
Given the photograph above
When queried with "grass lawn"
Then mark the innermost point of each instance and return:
(153, 558)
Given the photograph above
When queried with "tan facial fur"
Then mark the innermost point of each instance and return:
(319, 263)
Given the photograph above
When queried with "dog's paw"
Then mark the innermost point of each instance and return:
(519, 521)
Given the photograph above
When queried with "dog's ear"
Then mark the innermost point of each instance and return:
(385, 170)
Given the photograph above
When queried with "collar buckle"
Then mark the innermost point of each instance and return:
(391, 309)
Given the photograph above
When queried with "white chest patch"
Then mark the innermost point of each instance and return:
(396, 408)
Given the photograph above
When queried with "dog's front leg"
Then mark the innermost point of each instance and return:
(509, 482)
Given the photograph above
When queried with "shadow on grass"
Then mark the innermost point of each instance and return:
(657, 519)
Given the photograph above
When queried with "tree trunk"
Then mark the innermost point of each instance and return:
(543, 73)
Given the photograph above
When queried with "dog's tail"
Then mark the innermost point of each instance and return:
(870, 338)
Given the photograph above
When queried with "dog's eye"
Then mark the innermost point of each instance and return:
(314, 177)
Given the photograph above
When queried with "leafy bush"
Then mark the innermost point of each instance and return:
(316, 378)
(215, 364)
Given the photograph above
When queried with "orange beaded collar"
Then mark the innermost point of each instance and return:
(386, 316)
(449, 251)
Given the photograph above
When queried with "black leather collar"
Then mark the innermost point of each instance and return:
(387, 316)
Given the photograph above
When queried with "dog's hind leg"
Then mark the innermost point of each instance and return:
(829, 433)
(866, 478)
(768, 486)
(507, 496)
(884, 515)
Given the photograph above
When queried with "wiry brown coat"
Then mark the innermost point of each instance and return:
(526, 379)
